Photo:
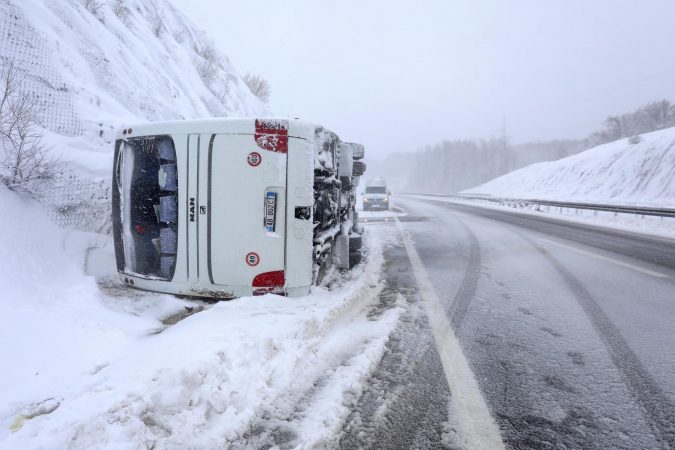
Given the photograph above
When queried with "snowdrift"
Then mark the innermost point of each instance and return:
(641, 174)
(54, 324)
(90, 367)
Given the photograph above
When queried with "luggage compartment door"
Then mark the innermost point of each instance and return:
(247, 219)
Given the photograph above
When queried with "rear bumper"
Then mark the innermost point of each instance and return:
(375, 206)
(203, 290)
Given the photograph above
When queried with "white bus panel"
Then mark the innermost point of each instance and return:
(222, 208)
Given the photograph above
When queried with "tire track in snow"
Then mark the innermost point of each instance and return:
(280, 425)
(466, 291)
(467, 288)
(657, 407)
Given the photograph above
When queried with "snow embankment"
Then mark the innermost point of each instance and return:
(641, 174)
(96, 68)
(85, 367)
(56, 325)
(92, 67)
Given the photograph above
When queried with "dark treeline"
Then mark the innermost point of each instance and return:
(651, 117)
(452, 166)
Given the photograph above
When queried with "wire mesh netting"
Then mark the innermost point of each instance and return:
(78, 201)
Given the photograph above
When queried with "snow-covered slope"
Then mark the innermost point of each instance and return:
(54, 320)
(617, 173)
(93, 69)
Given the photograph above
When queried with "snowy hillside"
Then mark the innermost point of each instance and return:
(618, 173)
(93, 71)
(93, 68)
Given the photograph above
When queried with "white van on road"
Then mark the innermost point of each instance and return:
(376, 195)
(233, 207)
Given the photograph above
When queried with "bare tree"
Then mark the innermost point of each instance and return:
(207, 71)
(614, 126)
(650, 117)
(223, 95)
(11, 81)
(179, 36)
(157, 19)
(25, 158)
(93, 6)
(208, 67)
(207, 52)
(659, 114)
(258, 86)
(121, 10)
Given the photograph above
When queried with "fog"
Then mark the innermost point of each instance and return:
(398, 76)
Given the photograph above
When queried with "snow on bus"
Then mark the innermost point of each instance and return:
(232, 207)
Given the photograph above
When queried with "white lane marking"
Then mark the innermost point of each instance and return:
(477, 426)
(605, 258)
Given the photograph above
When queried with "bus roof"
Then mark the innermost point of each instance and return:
(225, 125)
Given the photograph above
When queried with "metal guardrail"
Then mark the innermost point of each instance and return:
(618, 209)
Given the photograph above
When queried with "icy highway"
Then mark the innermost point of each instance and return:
(567, 332)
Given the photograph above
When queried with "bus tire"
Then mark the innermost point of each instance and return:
(355, 243)
(354, 258)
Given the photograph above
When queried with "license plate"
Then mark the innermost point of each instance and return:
(270, 211)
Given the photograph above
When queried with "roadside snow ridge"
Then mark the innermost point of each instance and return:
(615, 173)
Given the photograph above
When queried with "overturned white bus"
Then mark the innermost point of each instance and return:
(226, 208)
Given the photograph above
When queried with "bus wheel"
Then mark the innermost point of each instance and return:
(355, 243)
(354, 258)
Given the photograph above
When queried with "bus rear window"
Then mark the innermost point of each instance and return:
(146, 183)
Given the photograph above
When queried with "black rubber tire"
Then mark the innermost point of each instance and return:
(355, 243)
(354, 259)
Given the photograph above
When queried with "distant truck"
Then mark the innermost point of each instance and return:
(376, 195)
(227, 208)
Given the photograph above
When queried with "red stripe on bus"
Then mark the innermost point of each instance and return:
(272, 135)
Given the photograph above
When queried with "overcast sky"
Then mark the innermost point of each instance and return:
(398, 75)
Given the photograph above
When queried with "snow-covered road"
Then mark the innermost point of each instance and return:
(567, 334)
